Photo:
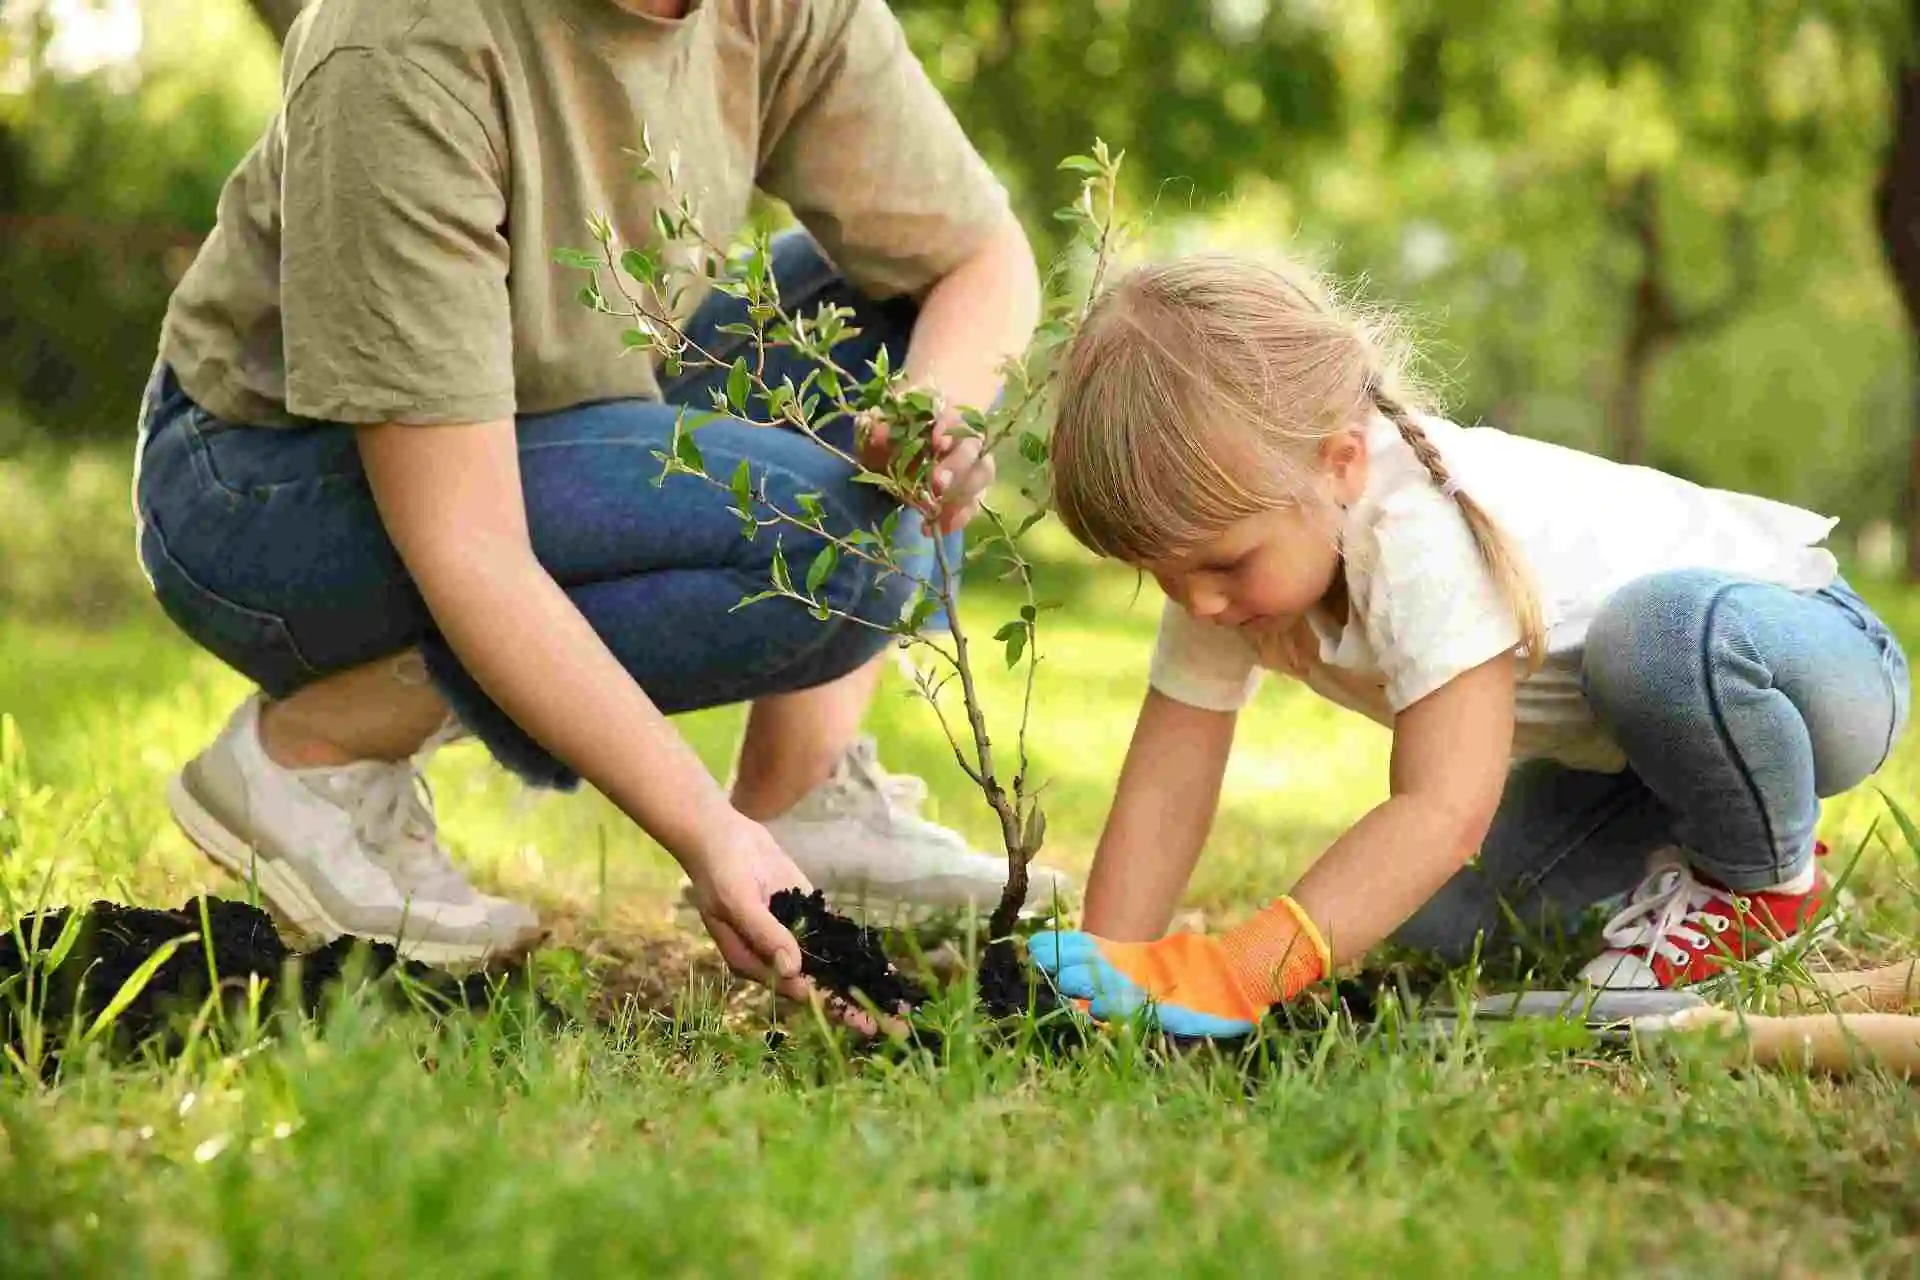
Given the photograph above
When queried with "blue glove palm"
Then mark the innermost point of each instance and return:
(1185, 980)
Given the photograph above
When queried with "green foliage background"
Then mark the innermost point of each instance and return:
(1472, 163)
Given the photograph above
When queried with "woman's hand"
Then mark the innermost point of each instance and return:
(734, 877)
(962, 471)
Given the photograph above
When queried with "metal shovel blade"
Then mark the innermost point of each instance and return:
(1610, 1014)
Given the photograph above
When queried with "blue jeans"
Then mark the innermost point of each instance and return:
(263, 544)
(1739, 705)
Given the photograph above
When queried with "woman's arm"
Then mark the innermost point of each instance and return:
(976, 318)
(1163, 808)
(1451, 752)
(451, 500)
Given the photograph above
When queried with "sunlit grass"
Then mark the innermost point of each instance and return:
(639, 1143)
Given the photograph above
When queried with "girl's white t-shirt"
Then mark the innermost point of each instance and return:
(1423, 608)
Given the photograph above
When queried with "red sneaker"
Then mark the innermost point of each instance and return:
(1679, 929)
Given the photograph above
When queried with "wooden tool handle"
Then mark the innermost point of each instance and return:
(1831, 1042)
(1893, 988)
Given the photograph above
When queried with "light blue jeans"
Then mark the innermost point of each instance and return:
(1739, 704)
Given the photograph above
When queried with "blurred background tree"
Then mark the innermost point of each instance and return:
(1681, 234)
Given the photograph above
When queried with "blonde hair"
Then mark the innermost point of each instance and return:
(1198, 392)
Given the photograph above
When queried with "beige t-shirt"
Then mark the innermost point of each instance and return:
(385, 251)
(1424, 609)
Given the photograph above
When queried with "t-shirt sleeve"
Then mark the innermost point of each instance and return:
(867, 154)
(1202, 665)
(1433, 611)
(393, 258)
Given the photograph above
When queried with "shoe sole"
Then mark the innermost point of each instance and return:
(286, 896)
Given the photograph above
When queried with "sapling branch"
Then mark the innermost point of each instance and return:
(878, 402)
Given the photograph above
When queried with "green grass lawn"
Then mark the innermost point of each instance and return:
(658, 1135)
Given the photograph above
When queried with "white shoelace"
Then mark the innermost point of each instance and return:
(1667, 909)
(392, 810)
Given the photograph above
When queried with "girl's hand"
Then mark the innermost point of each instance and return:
(1193, 985)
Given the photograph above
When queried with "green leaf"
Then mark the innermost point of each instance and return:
(922, 611)
(1016, 645)
(829, 381)
(635, 338)
(1035, 833)
(743, 486)
(1033, 448)
(890, 526)
(688, 452)
(1080, 164)
(1033, 518)
(755, 598)
(642, 266)
(589, 296)
(585, 259)
(781, 578)
(738, 385)
(810, 505)
(822, 568)
(1028, 612)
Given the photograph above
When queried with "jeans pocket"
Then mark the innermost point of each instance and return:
(253, 642)
(254, 464)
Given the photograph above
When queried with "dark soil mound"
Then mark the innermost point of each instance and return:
(238, 942)
(849, 960)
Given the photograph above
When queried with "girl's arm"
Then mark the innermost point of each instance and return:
(1450, 757)
(1164, 806)
(1451, 752)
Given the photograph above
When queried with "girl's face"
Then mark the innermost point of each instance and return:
(1275, 566)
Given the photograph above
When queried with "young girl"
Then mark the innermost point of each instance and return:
(1595, 674)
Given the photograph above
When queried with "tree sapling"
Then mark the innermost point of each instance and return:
(644, 288)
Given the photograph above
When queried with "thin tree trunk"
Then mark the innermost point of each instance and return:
(1913, 473)
(1897, 204)
(279, 15)
(1652, 326)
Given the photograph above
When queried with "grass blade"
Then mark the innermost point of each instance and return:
(136, 983)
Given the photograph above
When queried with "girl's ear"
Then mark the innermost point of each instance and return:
(1344, 454)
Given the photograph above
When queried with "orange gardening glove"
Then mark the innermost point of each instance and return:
(1198, 986)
